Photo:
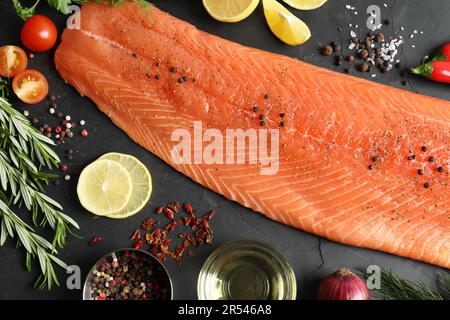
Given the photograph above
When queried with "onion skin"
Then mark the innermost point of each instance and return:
(343, 285)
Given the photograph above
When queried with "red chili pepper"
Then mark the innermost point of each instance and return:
(444, 53)
(435, 70)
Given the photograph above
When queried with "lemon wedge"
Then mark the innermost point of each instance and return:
(141, 182)
(286, 26)
(104, 187)
(230, 10)
(305, 4)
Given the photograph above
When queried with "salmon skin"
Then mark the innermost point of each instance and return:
(350, 150)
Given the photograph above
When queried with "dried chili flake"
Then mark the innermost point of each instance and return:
(138, 244)
(188, 208)
(186, 220)
(136, 235)
(149, 238)
(147, 224)
(94, 241)
(169, 213)
(161, 256)
(182, 235)
(186, 243)
(159, 237)
(179, 250)
(208, 216)
(200, 234)
(154, 248)
(174, 206)
(191, 253)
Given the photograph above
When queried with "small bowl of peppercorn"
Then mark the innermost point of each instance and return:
(128, 274)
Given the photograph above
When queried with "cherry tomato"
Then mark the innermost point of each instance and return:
(39, 33)
(30, 86)
(12, 61)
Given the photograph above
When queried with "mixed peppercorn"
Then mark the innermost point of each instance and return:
(198, 232)
(129, 275)
(63, 130)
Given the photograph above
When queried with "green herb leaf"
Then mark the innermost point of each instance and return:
(60, 5)
(20, 146)
(396, 288)
(23, 12)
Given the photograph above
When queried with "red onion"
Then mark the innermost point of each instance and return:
(343, 285)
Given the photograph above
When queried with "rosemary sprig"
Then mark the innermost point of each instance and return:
(18, 172)
(4, 90)
(21, 147)
(396, 288)
(25, 191)
(36, 246)
(27, 140)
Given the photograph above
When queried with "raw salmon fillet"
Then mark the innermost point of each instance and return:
(335, 128)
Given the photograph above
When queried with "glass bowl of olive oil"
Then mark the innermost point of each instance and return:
(246, 270)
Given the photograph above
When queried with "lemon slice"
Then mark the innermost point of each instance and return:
(230, 10)
(141, 182)
(287, 27)
(104, 187)
(305, 4)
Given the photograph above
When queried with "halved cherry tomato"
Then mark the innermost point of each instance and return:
(39, 33)
(30, 86)
(12, 61)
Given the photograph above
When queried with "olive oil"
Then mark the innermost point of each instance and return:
(246, 270)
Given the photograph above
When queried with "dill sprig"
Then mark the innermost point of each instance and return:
(395, 288)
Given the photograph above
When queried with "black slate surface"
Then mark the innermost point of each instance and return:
(312, 257)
